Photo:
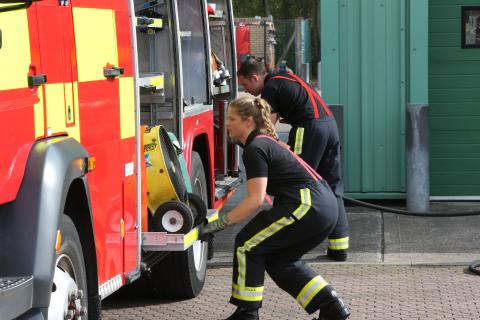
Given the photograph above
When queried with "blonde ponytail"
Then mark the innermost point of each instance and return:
(267, 124)
(259, 110)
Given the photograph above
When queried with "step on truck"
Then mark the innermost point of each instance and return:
(113, 149)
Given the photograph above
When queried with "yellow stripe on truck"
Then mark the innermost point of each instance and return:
(39, 114)
(127, 107)
(15, 52)
(71, 97)
(95, 41)
(58, 96)
(55, 107)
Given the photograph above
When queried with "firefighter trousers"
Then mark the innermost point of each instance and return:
(276, 239)
(317, 142)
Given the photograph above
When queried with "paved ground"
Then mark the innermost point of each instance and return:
(372, 291)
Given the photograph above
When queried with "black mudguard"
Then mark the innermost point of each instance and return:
(28, 225)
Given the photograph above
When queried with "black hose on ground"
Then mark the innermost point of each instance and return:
(412, 213)
(472, 267)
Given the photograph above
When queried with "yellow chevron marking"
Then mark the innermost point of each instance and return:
(127, 108)
(15, 53)
(96, 42)
(39, 114)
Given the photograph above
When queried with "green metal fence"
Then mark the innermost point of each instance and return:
(363, 68)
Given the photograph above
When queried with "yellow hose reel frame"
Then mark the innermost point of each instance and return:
(164, 174)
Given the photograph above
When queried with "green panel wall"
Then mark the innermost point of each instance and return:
(454, 94)
(363, 69)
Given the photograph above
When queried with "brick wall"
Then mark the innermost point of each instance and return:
(261, 29)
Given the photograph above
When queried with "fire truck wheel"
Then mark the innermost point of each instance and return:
(69, 289)
(199, 200)
(182, 274)
(198, 178)
(198, 207)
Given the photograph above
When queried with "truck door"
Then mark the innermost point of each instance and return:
(56, 46)
(103, 92)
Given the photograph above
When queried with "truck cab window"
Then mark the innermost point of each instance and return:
(192, 34)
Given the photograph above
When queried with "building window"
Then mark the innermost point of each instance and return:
(471, 27)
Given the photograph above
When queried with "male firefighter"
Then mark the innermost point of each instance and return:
(314, 134)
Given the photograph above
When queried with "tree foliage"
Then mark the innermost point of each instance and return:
(280, 9)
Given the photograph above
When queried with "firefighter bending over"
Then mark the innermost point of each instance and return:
(303, 215)
(314, 134)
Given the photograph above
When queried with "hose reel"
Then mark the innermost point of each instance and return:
(166, 190)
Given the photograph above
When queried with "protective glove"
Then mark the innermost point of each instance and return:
(206, 230)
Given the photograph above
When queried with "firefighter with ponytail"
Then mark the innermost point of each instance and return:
(304, 213)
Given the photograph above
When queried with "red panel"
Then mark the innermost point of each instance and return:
(99, 111)
(129, 205)
(193, 127)
(243, 42)
(17, 134)
(219, 137)
(106, 191)
(122, 21)
(34, 41)
(36, 65)
(50, 30)
(56, 41)
(104, 4)
(121, 5)
(100, 133)
(70, 54)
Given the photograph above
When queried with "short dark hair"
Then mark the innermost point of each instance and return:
(252, 66)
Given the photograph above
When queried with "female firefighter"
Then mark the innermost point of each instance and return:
(314, 135)
(303, 214)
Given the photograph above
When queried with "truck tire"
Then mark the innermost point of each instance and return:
(198, 207)
(69, 289)
(182, 274)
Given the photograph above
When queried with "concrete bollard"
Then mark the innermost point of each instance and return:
(417, 158)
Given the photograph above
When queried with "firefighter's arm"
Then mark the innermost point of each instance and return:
(256, 190)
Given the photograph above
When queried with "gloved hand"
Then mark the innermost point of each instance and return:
(206, 230)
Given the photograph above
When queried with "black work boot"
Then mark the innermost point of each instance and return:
(243, 314)
(333, 308)
(337, 255)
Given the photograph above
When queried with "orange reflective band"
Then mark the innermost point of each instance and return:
(122, 228)
(58, 242)
(91, 164)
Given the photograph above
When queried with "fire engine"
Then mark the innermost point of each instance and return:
(112, 147)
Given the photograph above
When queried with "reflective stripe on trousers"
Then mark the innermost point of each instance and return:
(268, 232)
(247, 293)
(298, 140)
(338, 244)
(311, 289)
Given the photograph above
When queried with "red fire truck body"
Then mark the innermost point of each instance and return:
(78, 79)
